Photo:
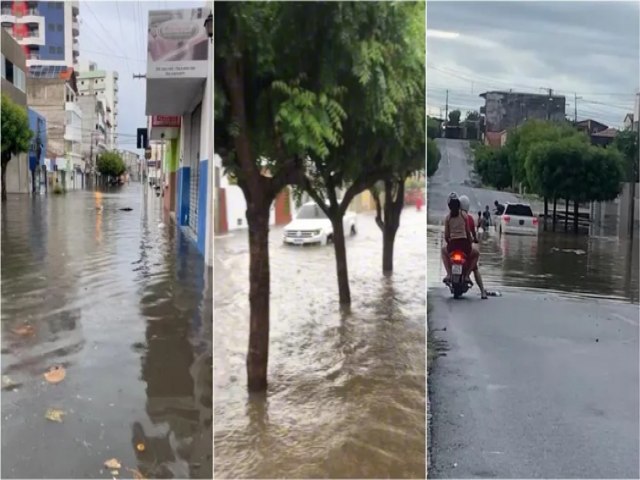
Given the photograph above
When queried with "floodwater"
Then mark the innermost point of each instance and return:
(346, 396)
(124, 305)
(582, 265)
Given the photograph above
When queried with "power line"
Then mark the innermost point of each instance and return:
(121, 33)
(105, 30)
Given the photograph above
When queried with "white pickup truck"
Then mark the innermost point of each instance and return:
(311, 225)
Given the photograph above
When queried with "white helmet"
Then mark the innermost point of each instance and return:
(464, 203)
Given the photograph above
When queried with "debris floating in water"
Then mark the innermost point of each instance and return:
(54, 414)
(55, 374)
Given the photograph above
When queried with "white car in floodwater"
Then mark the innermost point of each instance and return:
(311, 225)
(518, 219)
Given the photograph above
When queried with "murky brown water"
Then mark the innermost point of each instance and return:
(599, 266)
(125, 306)
(347, 391)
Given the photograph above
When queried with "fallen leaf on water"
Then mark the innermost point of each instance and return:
(112, 464)
(55, 374)
(24, 330)
(140, 447)
(54, 415)
(136, 474)
(115, 473)
(7, 381)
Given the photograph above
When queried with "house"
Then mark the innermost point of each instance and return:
(590, 126)
(628, 121)
(604, 137)
(507, 109)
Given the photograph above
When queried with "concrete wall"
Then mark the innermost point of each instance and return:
(18, 175)
(504, 110)
(47, 97)
(13, 52)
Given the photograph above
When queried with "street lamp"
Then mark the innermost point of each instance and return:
(208, 24)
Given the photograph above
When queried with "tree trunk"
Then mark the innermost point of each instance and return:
(33, 181)
(566, 214)
(555, 202)
(576, 207)
(388, 239)
(546, 212)
(258, 354)
(341, 261)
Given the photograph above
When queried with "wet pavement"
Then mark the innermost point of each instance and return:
(542, 382)
(346, 397)
(124, 305)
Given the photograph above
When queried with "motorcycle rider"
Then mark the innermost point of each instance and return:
(464, 206)
(457, 235)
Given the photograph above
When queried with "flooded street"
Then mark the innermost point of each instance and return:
(122, 303)
(549, 370)
(346, 397)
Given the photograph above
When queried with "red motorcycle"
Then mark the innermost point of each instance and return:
(458, 284)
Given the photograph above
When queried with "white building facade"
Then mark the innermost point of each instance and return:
(104, 85)
(180, 103)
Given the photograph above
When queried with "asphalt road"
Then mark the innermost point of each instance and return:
(454, 175)
(536, 383)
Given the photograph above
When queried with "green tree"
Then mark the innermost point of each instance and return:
(472, 116)
(454, 118)
(433, 157)
(627, 144)
(288, 75)
(111, 164)
(492, 166)
(434, 129)
(16, 135)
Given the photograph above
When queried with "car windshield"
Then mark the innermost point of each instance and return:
(310, 211)
(519, 210)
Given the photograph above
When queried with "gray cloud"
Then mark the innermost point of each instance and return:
(590, 48)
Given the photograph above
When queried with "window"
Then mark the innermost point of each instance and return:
(20, 80)
(519, 210)
(59, 27)
(52, 49)
(59, 50)
(8, 70)
(51, 26)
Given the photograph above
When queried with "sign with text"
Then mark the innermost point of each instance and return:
(178, 45)
(165, 121)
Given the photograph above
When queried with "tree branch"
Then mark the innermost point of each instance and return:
(362, 183)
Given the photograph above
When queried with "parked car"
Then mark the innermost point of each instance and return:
(518, 218)
(311, 225)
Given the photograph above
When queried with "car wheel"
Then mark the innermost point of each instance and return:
(353, 230)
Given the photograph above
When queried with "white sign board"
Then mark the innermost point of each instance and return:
(178, 45)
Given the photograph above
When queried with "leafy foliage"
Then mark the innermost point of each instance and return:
(433, 157)
(492, 166)
(433, 128)
(16, 134)
(111, 164)
(454, 118)
(627, 144)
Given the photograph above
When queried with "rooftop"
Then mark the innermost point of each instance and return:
(521, 94)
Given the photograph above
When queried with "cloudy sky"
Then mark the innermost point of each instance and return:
(114, 35)
(588, 48)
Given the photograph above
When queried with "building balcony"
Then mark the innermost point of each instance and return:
(7, 18)
(75, 7)
(75, 28)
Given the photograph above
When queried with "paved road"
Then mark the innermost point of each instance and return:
(533, 384)
(454, 174)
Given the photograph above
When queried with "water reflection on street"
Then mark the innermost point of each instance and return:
(347, 390)
(600, 266)
(124, 305)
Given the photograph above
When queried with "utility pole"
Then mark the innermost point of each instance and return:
(136, 77)
(446, 108)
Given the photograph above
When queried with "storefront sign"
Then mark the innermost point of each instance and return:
(165, 121)
(178, 45)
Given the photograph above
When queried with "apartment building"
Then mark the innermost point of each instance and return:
(47, 31)
(104, 85)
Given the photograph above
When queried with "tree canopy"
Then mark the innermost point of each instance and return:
(627, 144)
(454, 118)
(492, 166)
(433, 157)
(16, 134)
(111, 164)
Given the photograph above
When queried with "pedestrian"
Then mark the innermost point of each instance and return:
(419, 202)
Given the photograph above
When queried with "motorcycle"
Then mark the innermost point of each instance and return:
(458, 285)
